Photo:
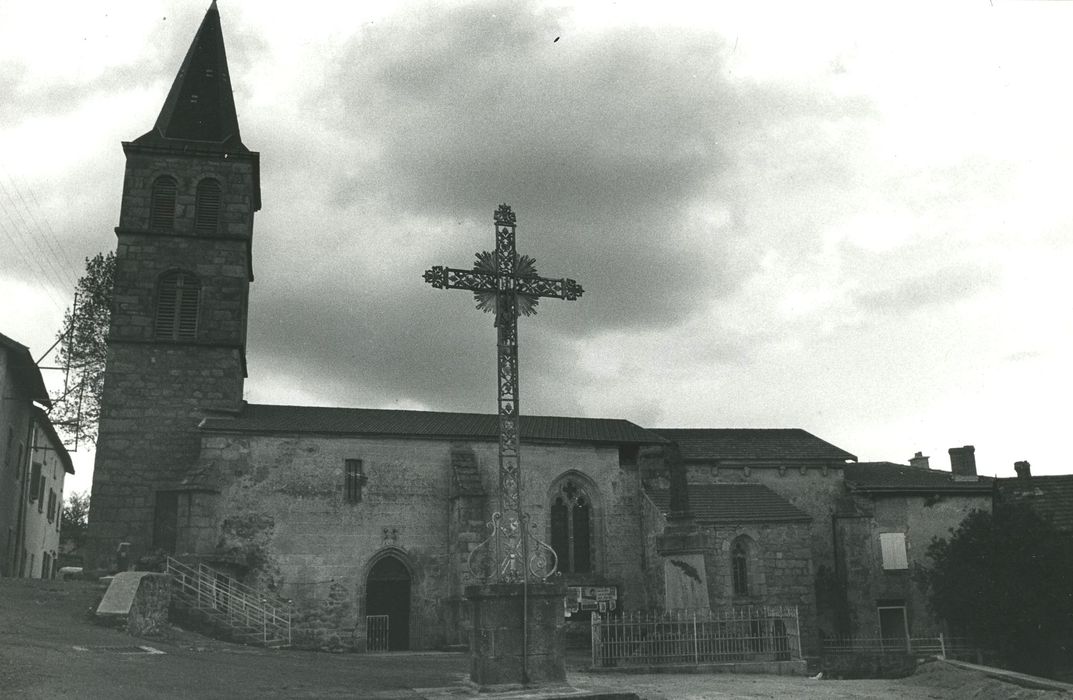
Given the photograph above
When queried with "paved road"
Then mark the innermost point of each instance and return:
(49, 648)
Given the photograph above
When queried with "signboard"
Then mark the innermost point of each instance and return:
(591, 598)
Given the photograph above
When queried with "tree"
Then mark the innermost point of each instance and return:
(74, 520)
(1003, 578)
(83, 350)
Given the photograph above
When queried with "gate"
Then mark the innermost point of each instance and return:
(377, 629)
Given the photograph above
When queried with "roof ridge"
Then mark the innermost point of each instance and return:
(430, 411)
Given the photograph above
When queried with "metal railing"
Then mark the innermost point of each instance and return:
(940, 646)
(377, 632)
(691, 637)
(247, 612)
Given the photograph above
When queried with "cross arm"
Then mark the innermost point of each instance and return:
(453, 278)
(544, 287)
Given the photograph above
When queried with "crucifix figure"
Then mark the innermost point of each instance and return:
(508, 285)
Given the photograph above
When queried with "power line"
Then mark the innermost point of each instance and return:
(35, 241)
(30, 264)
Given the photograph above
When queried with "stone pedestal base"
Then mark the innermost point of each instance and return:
(508, 648)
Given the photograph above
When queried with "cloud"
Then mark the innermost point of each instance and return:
(945, 285)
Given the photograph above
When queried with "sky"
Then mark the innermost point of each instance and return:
(848, 218)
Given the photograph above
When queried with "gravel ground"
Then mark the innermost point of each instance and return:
(49, 648)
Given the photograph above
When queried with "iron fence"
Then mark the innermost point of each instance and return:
(377, 628)
(691, 637)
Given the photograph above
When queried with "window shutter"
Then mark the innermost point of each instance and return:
(35, 480)
(162, 204)
(166, 305)
(177, 307)
(207, 216)
(187, 321)
(894, 555)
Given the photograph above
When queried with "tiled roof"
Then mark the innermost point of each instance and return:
(1050, 496)
(26, 372)
(752, 443)
(733, 503)
(261, 418)
(888, 476)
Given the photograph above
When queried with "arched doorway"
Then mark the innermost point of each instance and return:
(387, 592)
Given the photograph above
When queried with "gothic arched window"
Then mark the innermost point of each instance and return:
(177, 306)
(162, 203)
(739, 567)
(207, 206)
(572, 527)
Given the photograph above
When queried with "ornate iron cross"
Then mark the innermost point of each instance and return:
(508, 285)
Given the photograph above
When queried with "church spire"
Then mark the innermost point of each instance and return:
(200, 107)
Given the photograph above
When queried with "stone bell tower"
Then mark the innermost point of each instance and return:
(177, 338)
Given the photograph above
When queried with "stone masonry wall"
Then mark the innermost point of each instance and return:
(14, 429)
(780, 571)
(154, 397)
(921, 518)
(156, 391)
(282, 510)
(814, 490)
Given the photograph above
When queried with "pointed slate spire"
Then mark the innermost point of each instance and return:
(200, 107)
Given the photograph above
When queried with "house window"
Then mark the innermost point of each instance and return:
(51, 505)
(177, 306)
(162, 204)
(893, 546)
(35, 480)
(739, 568)
(207, 207)
(354, 481)
(571, 528)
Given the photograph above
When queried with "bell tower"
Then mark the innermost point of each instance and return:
(177, 337)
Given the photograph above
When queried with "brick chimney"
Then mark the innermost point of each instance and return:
(920, 461)
(1023, 469)
(963, 461)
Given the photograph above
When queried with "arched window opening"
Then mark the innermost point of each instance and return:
(207, 207)
(162, 204)
(177, 306)
(571, 528)
(739, 567)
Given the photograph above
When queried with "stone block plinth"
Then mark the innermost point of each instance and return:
(136, 601)
(518, 635)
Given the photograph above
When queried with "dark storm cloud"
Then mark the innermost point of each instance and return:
(389, 344)
(622, 153)
(599, 144)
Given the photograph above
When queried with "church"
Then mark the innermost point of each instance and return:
(353, 512)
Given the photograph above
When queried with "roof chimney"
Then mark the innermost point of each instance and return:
(1023, 469)
(920, 461)
(963, 461)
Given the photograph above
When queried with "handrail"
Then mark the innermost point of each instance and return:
(222, 596)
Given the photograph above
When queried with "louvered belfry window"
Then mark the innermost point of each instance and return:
(207, 216)
(177, 306)
(162, 204)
